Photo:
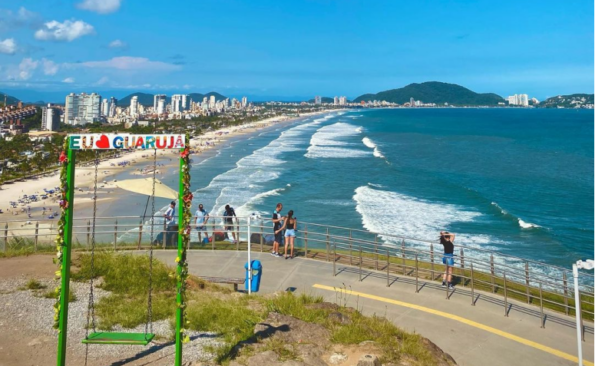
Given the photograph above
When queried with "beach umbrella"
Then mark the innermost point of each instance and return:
(145, 186)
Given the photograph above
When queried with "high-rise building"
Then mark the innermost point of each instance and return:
(317, 100)
(518, 99)
(336, 101)
(113, 104)
(104, 107)
(342, 101)
(156, 100)
(179, 102)
(82, 108)
(212, 101)
(244, 102)
(185, 102)
(411, 102)
(161, 106)
(50, 118)
(134, 106)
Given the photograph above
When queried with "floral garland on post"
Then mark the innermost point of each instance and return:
(184, 230)
(61, 223)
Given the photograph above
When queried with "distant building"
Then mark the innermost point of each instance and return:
(50, 118)
(156, 100)
(342, 101)
(134, 106)
(534, 101)
(518, 99)
(113, 104)
(212, 101)
(244, 102)
(161, 106)
(317, 100)
(336, 101)
(105, 107)
(411, 102)
(185, 102)
(82, 108)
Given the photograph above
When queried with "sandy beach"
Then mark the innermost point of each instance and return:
(25, 216)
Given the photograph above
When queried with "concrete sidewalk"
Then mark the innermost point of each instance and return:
(473, 335)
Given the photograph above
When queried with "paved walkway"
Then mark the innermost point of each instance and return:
(473, 335)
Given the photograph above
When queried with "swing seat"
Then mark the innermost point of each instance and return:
(139, 339)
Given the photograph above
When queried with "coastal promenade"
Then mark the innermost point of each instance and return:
(473, 335)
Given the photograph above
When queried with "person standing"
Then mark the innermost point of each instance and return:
(447, 240)
(202, 217)
(228, 216)
(170, 221)
(289, 225)
(277, 223)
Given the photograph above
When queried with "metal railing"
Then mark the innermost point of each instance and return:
(507, 277)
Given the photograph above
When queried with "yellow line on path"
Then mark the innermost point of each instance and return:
(472, 323)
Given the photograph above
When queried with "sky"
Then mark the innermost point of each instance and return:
(292, 50)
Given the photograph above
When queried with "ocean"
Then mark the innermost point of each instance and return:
(518, 181)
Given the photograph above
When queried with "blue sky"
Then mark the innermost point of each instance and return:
(293, 49)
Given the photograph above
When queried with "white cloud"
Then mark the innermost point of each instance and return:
(68, 80)
(118, 44)
(66, 31)
(100, 6)
(8, 46)
(49, 67)
(131, 64)
(102, 81)
(10, 20)
(26, 68)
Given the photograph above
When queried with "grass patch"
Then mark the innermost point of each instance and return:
(33, 284)
(53, 295)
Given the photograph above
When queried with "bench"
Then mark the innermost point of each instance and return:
(233, 281)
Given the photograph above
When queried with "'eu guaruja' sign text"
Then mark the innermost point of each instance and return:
(126, 141)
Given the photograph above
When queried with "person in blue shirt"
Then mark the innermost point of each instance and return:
(201, 219)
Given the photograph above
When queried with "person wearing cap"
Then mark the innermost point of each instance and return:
(170, 221)
(200, 221)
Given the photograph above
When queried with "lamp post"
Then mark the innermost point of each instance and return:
(255, 217)
(588, 265)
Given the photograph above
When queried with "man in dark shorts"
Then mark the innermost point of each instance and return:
(447, 240)
(277, 224)
(229, 214)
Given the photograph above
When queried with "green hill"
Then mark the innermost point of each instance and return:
(567, 101)
(433, 92)
(9, 100)
(143, 99)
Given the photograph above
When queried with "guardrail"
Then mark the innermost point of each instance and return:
(476, 269)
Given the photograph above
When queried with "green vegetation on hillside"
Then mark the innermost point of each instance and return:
(568, 101)
(433, 92)
(9, 99)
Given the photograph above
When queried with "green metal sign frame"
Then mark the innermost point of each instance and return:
(66, 251)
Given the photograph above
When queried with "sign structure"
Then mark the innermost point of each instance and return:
(99, 141)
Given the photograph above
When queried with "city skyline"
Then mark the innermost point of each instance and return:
(266, 50)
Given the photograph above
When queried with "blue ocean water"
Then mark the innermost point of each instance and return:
(519, 181)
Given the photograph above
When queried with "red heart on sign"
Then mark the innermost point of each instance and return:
(103, 142)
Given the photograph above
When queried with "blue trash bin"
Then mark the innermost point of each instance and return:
(256, 274)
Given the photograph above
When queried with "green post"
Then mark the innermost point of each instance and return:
(179, 299)
(64, 292)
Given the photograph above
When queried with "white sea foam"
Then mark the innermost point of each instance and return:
(331, 202)
(499, 208)
(369, 143)
(527, 225)
(328, 142)
(376, 185)
(401, 215)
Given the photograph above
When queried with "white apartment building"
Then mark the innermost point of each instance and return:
(336, 101)
(212, 102)
(317, 100)
(161, 106)
(104, 107)
(156, 100)
(244, 102)
(342, 100)
(518, 99)
(82, 108)
(113, 104)
(134, 106)
(50, 118)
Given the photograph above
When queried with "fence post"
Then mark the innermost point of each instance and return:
(334, 258)
(115, 234)
(360, 263)
(213, 238)
(306, 240)
(542, 325)
(350, 250)
(387, 268)
(565, 292)
(416, 274)
(140, 233)
(36, 233)
(432, 260)
(527, 281)
(580, 316)
(492, 272)
(472, 287)
(88, 233)
(166, 235)
(261, 236)
(505, 297)
(376, 249)
(403, 254)
(462, 254)
(327, 244)
(5, 237)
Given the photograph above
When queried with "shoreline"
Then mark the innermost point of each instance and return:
(108, 194)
